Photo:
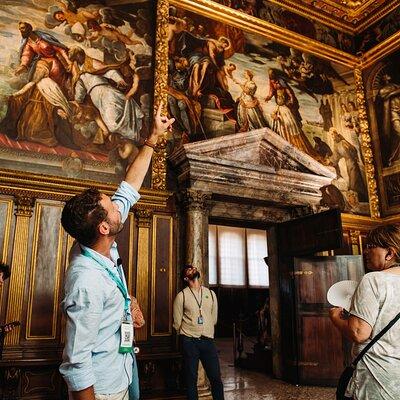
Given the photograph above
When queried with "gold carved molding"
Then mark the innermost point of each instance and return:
(143, 218)
(366, 146)
(159, 163)
(24, 210)
(27, 185)
(380, 51)
(351, 16)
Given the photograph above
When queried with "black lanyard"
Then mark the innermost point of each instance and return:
(201, 297)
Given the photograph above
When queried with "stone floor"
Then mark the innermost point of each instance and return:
(240, 384)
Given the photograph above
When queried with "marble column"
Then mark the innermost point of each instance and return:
(196, 206)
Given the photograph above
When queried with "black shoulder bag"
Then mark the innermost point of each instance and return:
(348, 372)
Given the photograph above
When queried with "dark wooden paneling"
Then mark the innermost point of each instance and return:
(162, 276)
(127, 251)
(45, 272)
(321, 357)
(314, 331)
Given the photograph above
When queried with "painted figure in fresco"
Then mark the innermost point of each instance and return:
(42, 50)
(325, 111)
(322, 148)
(120, 114)
(97, 31)
(180, 105)
(389, 94)
(343, 149)
(64, 14)
(249, 112)
(208, 59)
(286, 116)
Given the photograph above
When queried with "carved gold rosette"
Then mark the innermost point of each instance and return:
(366, 146)
(159, 168)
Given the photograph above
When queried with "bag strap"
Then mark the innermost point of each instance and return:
(375, 339)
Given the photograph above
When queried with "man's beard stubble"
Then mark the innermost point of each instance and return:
(115, 228)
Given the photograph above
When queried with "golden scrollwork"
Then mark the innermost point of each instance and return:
(366, 146)
(159, 164)
(355, 237)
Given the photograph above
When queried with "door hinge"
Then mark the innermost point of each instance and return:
(301, 273)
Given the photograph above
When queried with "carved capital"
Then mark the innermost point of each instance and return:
(143, 217)
(194, 200)
(24, 205)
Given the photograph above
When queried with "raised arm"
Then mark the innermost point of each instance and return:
(138, 169)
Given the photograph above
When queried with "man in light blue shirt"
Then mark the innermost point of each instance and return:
(96, 365)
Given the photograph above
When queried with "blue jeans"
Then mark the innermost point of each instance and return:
(203, 349)
(134, 393)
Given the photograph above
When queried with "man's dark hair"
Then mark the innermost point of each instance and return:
(82, 215)
(184, 269)
(5, 269)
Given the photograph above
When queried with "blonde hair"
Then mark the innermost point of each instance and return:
(386, 236)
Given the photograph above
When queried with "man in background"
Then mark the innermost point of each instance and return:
(195, 315)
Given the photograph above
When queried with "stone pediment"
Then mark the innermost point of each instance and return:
(257, 165)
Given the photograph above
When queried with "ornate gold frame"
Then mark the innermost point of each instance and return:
(43, 186)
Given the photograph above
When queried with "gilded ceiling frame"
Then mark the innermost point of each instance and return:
(363, 23)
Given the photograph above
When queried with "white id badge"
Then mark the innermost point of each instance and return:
(126, 337)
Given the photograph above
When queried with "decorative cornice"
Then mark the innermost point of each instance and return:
(366, 146)
(24, 205)
(16, 183)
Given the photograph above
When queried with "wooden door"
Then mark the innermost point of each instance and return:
(300, 237)
(321, 350)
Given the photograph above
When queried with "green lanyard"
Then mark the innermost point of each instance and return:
(115, 278)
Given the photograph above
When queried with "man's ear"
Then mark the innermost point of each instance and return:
(390, 254)
(104, 228)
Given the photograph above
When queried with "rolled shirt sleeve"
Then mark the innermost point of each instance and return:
(125, 197)
(365, 302)
(83, 308)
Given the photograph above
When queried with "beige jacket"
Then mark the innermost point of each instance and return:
(186, 312)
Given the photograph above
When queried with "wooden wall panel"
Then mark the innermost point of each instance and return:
(161, 291)
(44, 282)
(126, 249)
(6, 217)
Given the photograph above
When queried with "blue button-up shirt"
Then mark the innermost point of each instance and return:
(94, 307)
